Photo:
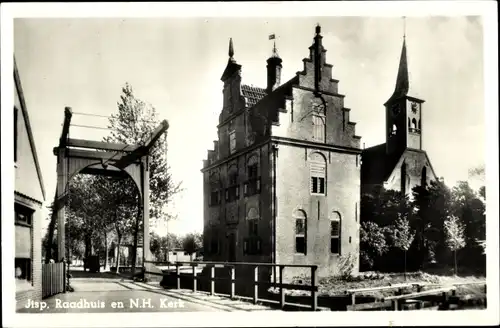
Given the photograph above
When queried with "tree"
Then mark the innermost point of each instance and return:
(455, 236)
(382, 208)
(134, 124)
(403, 237)
(372, 244)
(192, 242)
(432, 205)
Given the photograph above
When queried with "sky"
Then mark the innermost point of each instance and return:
(175, 64)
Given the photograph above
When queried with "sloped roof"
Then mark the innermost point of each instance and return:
(377, 164)
(17, 81)
(252, 94)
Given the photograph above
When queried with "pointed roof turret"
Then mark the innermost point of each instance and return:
(402, 80)
(232, 66)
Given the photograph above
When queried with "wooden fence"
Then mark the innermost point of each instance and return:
(232, 280)
(438, 294)
(53, 281)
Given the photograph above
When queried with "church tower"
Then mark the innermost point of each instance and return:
(403, 113)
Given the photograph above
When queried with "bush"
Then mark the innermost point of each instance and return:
(347, 263)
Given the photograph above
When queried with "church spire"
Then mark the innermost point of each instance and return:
(402, 80)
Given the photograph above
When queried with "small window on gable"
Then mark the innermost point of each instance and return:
(317, 168)
(300, 231)
(319, 122)
(335, 233)
(414, 124)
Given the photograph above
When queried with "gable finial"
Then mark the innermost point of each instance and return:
(404, 27)
(318, 28)
(231, 49)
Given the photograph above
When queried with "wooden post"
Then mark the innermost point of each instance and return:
(64, 277)
(233, 274)
(212, 280)
(146, 251)
(255, 284)
(314, 294)
(178, 275)
(282, 292)
(194, 279)
(446, 304)
(395, 305)
(353, 298)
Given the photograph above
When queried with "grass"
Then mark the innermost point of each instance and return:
(335, 286)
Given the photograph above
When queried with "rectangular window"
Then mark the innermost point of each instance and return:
(252, 186)
(252, 245)
(232, 141)
(335, 237)
(318, 185)
(214, 198)
(253, 227)
(15, 134)
(300, 236)
(318, 128)
(233, 191)
(23, 215)
(23, 269)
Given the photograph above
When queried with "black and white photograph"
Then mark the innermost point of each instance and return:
(235, 164)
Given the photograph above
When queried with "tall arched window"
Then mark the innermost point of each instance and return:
(319, 123)
(252, 243)
(300, 231)
(232, 191)
(394, 129)
(318, 174)
(252, 186)
(414, 124)
(335, 236)
(423, 183)
(215, 189)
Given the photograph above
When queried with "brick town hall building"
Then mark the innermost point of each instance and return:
(283, 182)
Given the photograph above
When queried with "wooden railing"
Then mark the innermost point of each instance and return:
(232, 280)
(53, 278)
(444, 294)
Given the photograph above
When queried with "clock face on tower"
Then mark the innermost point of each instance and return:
(414, 107)
(395, 109)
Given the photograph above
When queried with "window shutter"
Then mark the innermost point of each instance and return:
(237, 191)
(245, 188)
